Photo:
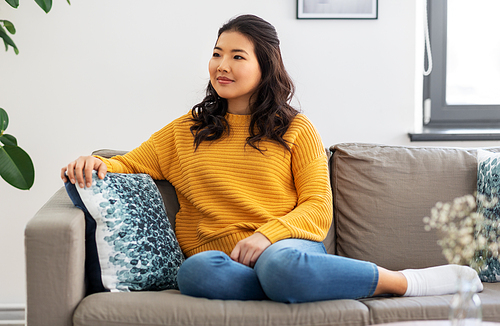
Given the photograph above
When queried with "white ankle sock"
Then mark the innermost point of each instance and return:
(437, 280)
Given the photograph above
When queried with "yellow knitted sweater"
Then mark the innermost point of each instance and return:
(227, 190)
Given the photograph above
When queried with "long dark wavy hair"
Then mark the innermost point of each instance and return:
(271, 112)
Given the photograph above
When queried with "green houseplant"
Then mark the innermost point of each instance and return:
(16, 166)
(7, 27)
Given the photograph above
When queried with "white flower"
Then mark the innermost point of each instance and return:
(467, 236)
(481, 241)
(466, 239)
(493, 247)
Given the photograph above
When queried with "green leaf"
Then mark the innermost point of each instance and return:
(16, 167)
(8, 140)
(7, 39)
(69, 3)
(9, 26)
(13, 3)
(46, 5)
(4, 121)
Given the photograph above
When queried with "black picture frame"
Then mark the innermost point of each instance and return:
(337, 9)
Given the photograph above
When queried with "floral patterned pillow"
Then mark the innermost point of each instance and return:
(488, 184)
(130, 243)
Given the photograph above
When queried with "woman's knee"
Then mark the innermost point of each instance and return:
(287, 259)
(214, 275)
(279, 275)
(198, 270)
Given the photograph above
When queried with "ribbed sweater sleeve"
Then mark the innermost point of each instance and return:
(143, 159)
(312, 216)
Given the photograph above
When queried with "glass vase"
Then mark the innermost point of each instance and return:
(465, 306)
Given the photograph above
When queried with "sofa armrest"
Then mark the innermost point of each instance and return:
(55, 262)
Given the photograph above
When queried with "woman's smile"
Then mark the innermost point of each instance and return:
(224, 80)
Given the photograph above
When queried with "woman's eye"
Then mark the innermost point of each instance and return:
(215, 55)
(238, 57)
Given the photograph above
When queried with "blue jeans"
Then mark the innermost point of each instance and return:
(290, 270)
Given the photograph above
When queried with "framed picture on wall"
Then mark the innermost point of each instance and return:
(337, 9)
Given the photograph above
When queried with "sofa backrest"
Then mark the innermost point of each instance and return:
(382, 193)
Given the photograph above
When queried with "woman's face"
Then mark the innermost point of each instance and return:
(234, 71)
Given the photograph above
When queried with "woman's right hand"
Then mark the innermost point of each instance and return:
(83, 166)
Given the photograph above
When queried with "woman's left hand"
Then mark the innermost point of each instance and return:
(248, 250)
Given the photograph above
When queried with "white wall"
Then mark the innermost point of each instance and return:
(107, 74)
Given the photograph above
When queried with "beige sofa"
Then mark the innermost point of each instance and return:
(381, 194)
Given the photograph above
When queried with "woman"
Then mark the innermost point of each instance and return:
(252, 180)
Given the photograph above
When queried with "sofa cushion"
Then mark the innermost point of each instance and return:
(399, 309)
(381, 194)
(396, 309)
(172, 308)
(136, 248)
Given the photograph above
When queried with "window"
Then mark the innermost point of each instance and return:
(462, 93)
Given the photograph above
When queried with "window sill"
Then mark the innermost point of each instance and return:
(455, 134)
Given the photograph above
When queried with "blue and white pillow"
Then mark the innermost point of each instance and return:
(488, 184)
(130, 244)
